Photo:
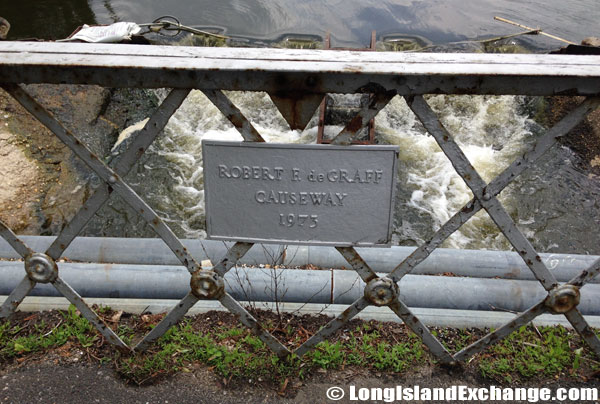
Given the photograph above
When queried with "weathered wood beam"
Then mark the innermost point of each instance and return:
(305, 71)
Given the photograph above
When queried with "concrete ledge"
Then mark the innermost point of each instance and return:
(430, 317)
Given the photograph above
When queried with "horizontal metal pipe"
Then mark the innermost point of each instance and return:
(467, 263)
(293, 285)
(144, 251)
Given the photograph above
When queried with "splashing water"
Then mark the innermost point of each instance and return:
(490, 130)
(491, 133)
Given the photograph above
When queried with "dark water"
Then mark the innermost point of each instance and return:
(350, 21)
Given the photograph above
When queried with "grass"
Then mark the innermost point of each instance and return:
(233, 352)
(528, 354)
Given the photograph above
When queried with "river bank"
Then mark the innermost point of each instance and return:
(44, 183)
(584, 139)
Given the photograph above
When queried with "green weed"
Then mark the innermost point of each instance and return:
(234, 352)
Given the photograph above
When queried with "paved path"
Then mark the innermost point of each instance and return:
(78, 383)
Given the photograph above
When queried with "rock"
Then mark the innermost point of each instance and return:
(4, 28)
(127, 133)
(591, 41)
(44, 183)
(584, 139)
(21, 178)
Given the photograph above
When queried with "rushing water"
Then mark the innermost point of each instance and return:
(555, 203)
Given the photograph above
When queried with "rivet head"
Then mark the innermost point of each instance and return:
(41, 268)
(112, 179)
(563, 298)
(207, 285)
(381, 291)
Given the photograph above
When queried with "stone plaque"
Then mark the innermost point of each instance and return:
(299, 194)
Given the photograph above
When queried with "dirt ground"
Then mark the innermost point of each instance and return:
(71, 374)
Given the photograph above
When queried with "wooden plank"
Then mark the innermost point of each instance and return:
(466, 67)
(294, 70)
(308, 55)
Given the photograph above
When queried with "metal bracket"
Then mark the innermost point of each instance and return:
(563, 298)
(381, 291)
(206, 284)
(41, 268)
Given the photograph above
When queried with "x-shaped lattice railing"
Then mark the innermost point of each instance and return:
(379, 291)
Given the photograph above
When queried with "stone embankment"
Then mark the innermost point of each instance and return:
(584, 139)
(43, 183)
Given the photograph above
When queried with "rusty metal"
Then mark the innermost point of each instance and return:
(172, 318)
(381, 291)
(385, 292)
(332, 326)
(249, 321)
(234, 115)
(122, 165)
(493, 207)
(201, 286)
(563, 298)
(357, 263)
(207, 284)
(16, 297)
(323, 107)
(412, 322)
(321, 121)
(584, 329)
(305, 71)
(297, 82)
(12, 239)
(88, 313)
(41, 268)
(376, 103)
(495, 186)
(587, 275)
(234, 254)
(559, 300)
(549, 139)
(573, 315)
(105, 173)
(501, 332)
(296, 108)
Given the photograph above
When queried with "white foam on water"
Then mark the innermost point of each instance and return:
(490, 131)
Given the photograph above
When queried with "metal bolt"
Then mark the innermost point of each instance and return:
(381, 291)
(112, 179)
(563, 298)
(486, 197)
(207, 285)
(41, 268)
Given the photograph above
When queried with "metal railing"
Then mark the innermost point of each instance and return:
(297, 81)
